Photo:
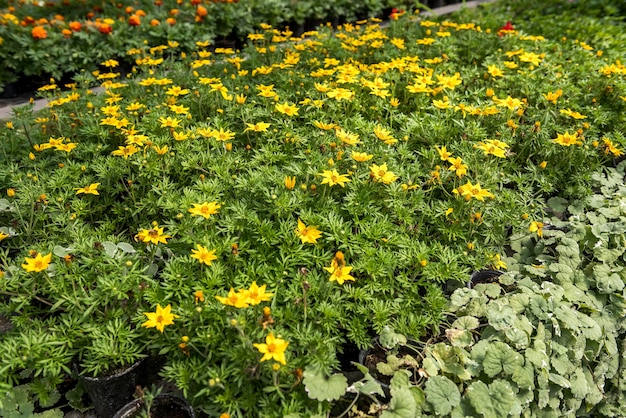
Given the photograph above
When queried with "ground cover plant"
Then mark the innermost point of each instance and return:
(253, 216)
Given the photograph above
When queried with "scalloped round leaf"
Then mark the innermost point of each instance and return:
(442, 394)
(517, 337)
(579, 386)
(557, 204)
(501, 358)
(402, 405)
(466, 322)
(494, 401)
(459, 337)
(322, 388)
(500, 315)
(461, 296)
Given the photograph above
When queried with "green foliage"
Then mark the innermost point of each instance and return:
(19, 402)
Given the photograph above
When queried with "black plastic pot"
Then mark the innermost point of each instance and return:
(484, 276)
(165, 405)
(109, 393)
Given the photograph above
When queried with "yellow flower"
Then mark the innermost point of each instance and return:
(347, 137)
(160, 318)
(307, 234)
(91, 189)
(11, 192)
(125, 151)
(494, 71)
(154, 235)
(382, 174)
(361, 156)
(333, 177)
(457, 166)
(384, 135)
(553, 97)
(567, 139)
(469, 190)
(205, 209)
(493, 147)
(572, 114)
(287, 109)
(273, 349)
(536, 227)
(203, 255)
(543, 164)
(258, 294)
(3, 235)
(238, 300)
(340, 274)
(324, 126)
(257, 127)
(290, 182)
(38, 263)
(169, 122)
(444, 155)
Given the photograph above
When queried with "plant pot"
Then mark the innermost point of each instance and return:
(109, 393)
(484, 276)
(165, 405)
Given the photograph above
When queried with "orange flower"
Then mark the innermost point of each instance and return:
(76, 26)
(201, 11)
(66, 33)
(39, 32)
(105, 28)
(140, 13)
(134, 20)
(170, 21)
(154, 22)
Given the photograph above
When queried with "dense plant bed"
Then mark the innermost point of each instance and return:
(254, 217)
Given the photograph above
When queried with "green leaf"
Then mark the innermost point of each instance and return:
(324, 389)
(442, 394)
(369, 386)
(402, 405)
(501, 358)
(559, 380)
(579, 385)
(524, 376)
(466, 323)
(389, 367)
(51, 413)
(459, 337)
(517, 337)
(461, 297)
(390, 339)
(126, 247)
(557, 204)
(110, 248)
(500, 315)
(492, 401)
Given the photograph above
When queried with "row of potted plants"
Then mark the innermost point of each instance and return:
(255, 218)
(59, 39)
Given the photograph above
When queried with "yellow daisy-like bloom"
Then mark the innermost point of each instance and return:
(307, 234)
(257, 127)
(169, 122)
(125, 151)
(38, 263)
(273, 349)
(493, 148)
(494, 71)
(154, 235)
(91, 189)
(469, 191)
(290, 182)
(3, 235)
(382, 174)
(347, 137)
(203, 255)
(333, 177)
(536, 227)
(287, 109)
(457, 166)
(324, 126)
(572, 114)
(205, 209)
(444, 155)
(567, 139)
(340, 274)
(238, 300)
(384, 135)
(160, 319)
(361, 157)
(258, 294)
